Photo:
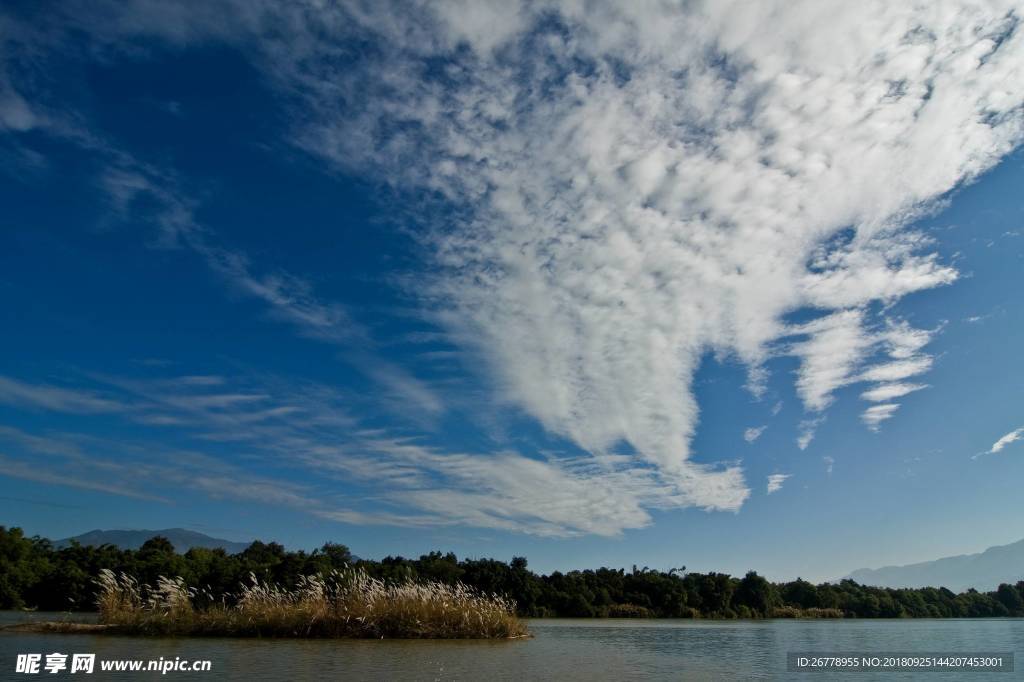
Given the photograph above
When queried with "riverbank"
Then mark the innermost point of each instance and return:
(60, 627)
(56, 627)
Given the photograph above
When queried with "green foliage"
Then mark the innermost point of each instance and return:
(34, 574)
(756, 594)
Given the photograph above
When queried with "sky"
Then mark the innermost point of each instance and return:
(586, 282)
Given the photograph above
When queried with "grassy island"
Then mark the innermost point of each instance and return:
(346, 603)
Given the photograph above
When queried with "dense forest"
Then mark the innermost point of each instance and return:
(33, 574)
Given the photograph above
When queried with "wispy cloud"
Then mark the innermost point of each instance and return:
(999, 445)
(840, 350)
(303, 430)
(1011, 437)
(806, 431)
(886, 392)
(775, 482)
(405, 390)
(289, 299)
(23, 394)
(41, 473)
(834, 349)
(876, 414)
(753, 433)
(141, 471)
(45, 445)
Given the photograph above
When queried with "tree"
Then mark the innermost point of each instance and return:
(801, 593)
(716, 591)
(157, 558)
(757, 594)
(1011, 599)
(337, 555)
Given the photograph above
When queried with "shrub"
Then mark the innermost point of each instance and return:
(626, 611)
(794, 612)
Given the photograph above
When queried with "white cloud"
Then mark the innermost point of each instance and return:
(876, 414)
(76, 401)
(886, 392)
(120, 467)
(404, 390)
(1011, 437)
(31, 471)
(753, 433)
(836, 346)
(683, 192)
(289, 427)
(896, 371)
(829, 464)
(289, 298)
(807, 429)
(509, 491)
(839, 350)
(904, 342)
(775, 482)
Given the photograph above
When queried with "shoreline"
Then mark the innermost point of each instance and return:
(52, 627)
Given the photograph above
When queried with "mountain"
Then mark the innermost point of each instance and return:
(182, 539)
(983, 571)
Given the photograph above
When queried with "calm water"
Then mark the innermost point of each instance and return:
(561, 649)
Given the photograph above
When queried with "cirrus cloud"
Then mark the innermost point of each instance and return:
(999, 445)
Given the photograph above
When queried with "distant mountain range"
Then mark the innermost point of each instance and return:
(182, 539)
(983, 571)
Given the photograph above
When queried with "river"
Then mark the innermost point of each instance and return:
(562, 649)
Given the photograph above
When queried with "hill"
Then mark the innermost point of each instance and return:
(182, 539)
(982, 571)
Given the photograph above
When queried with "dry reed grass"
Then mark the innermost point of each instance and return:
(341, 604)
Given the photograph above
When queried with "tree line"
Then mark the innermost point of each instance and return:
(35, 574)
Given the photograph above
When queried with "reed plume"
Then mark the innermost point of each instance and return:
(347, 603)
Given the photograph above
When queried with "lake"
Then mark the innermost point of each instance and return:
(563, 649)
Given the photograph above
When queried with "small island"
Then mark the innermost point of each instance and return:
(341, 604)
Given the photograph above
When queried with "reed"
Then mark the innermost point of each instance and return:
(346, 603)
(794, 612)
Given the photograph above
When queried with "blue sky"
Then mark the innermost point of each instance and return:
(516, 280)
